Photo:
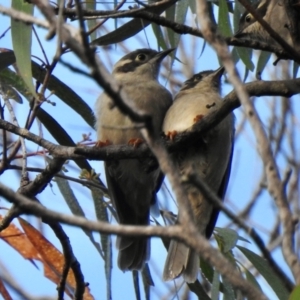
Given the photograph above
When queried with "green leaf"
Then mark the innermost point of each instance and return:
(73, 204)
(207, 270)
(224, 22)
(264, 269)
(161, 43)
(295, 295)
(170, 15)
(215, 288)
(228, 237)
(235, 56)
(238, 8)
(252, 279)
(295, 69)
(243, 239)
(7, 58)
(91, 4)
(198, 289)
(131, 28)
(66, 94)
(262, 62)
(21, 40)
(9, 92)
(102, 215)
(60, 135)
(135, 277)
(147, 281)
(228, 290)
(11, 78)
(245, 55)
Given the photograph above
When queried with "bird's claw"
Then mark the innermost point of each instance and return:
(135, 142)
(100, 144)
(171, 135)
(198, 118)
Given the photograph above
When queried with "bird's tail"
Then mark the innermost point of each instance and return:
(133, 252)
(181, 260)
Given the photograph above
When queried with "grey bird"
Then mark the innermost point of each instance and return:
(133, 183)
(283, 17)
(209, 156)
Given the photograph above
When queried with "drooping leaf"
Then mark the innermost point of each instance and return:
(147, 281)
(4, 292)
(135, 277)
(73, 204)
(21, 39)
(53, 260)
(14, 237)
(228, 237)
(252, 279)
(215, 287)
(295, 295)
(102, 215)
(228, 290)
(9, 92)
(161, 43)
(66, 94)
(91, 4)
(224, 22)
(264, 270)
(295, 69)
(264, 57)
(245, 55)
(131, 28)
(7, 58)
(198, 289)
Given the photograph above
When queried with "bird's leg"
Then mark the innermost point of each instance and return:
(100, 144)
(198, 118)
(135, 142)
(171, 135)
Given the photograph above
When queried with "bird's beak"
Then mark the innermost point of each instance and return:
(162, 54)
(218, 73)
(239, 34)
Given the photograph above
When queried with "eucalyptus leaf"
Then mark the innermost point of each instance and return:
(135, 277)
(229, 238)
(295, 295)
(252, 279)
(9, 92)
(198, 289)
(102, 215)
(265, 271)
(131, 28)
(245, 55)
(295, 69)
(263, 59)
(7, 58)
(91, 4)
(66, 94)
(215, 287)
(73, 204)
(228, 290)
(147, 281)
(21, 39)
(224, 22)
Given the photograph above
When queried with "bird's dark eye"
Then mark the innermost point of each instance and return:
(248, 18)
(141, 57)
(198, 77)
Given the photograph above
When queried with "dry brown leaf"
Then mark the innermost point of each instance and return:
(4, 292)
(52, 257)
(14, 237)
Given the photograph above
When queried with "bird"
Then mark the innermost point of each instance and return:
(283, 17)
(133, 183)
(209, 156)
